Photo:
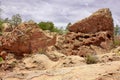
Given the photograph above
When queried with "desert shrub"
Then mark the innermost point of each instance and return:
(91, 59)
(13, 64)
(116, 42)
(59, 31)
(116, 30)
(50, 26)
(16, 19)
(46, 26)
(1, 59)
(1, 22)
(41, 51)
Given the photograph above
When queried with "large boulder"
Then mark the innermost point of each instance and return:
(92, 35)
(101, 20)
(25, 38)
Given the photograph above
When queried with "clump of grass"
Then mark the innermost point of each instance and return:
(41, 51)
(116, 42)
(1, 59)
(13, 64)
(91, 59)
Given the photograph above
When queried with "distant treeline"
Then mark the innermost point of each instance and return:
(48, 25)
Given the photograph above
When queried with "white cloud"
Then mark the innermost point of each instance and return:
(60, 12)
(116, 20)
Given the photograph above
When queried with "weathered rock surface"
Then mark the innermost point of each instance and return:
(86, 72)
(52, 64)
(101, 20)
(80, 43)
(25, 38)
(92, 35)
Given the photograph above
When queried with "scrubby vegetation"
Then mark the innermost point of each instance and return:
(1, 59)
(1, 22)
(116, 30)
(116, 42)
(41, 51)
(116, 36)
(91, 59)
(50, 26)
(16, 20)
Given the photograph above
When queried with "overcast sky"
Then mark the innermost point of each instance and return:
(61, 12)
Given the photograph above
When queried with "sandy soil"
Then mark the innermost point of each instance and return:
(57, 66)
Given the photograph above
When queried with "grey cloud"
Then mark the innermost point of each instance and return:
(58, 11)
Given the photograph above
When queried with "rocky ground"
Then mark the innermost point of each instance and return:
(40, 67)
(81, 54)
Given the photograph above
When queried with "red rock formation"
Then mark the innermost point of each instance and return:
(89, 35)
(101, 20)
(26, 38)
(80, 43)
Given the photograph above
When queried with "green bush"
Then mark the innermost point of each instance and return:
(13, 64)
(50, 26)
(116, 30)
(1, 22)
(59, 31)
(46, 26)
(116, 42)
(1, 59)
(91, 59)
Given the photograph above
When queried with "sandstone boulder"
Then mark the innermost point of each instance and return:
(25, 38)
(92, 35)
(101, 20)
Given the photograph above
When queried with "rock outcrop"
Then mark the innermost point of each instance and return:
(92, 35)
(101, 20)
(25, 38)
